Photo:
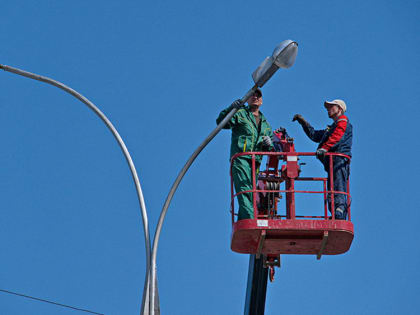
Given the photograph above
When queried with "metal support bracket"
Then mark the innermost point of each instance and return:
(271, 261)
(260, 243)
(323, 244)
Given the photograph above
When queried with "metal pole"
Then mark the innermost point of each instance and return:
(331, 177)
(254, 187)
(172, 192)
(123, 148)
(256, 289)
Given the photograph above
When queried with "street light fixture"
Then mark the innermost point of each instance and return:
(283, 56)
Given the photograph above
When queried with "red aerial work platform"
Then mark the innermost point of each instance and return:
(272, 233)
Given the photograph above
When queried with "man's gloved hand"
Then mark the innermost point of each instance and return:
(267, 141)
(320, 153)
(237, 104)
(300, 119)
(273, 138)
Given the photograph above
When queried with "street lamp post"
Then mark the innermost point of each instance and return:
(123, 148)
(283, 56)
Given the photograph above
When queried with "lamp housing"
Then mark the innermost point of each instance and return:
(284, 56)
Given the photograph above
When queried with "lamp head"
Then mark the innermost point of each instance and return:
(283, 56)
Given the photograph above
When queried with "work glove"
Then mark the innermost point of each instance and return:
(237, 104)
(300, 119)
(267, 141)
(320, 153)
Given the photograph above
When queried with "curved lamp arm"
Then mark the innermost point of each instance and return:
(153, 281)
(120, 143)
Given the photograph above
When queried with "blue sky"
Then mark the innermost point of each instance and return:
(70, 227)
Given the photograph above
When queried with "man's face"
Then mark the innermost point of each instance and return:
(255, 100)
(333, 111)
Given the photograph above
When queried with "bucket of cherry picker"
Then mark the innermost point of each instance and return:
(278, 228)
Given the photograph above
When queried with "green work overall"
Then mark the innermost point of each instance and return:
(246, 137)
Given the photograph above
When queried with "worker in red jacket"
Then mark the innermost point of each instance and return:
(335, 138)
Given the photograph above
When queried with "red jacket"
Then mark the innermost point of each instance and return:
(335, 138)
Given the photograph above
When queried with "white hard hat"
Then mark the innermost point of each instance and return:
(339, 103)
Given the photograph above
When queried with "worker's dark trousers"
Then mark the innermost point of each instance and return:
(341, 172)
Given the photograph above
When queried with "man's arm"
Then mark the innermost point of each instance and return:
(236, 104)
(314, 135)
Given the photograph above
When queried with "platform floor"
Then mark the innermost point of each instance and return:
(331, 237)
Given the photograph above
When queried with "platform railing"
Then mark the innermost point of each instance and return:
(290, 191)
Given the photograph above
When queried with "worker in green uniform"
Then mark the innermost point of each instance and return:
(250, 133)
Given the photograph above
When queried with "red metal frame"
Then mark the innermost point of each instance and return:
(271, 233)
(290, 181)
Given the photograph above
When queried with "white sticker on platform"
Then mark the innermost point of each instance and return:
(262, 222)
(292, 158)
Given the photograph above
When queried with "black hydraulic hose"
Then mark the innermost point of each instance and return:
(175, 185)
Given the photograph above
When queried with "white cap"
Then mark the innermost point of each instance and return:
(339, 103)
